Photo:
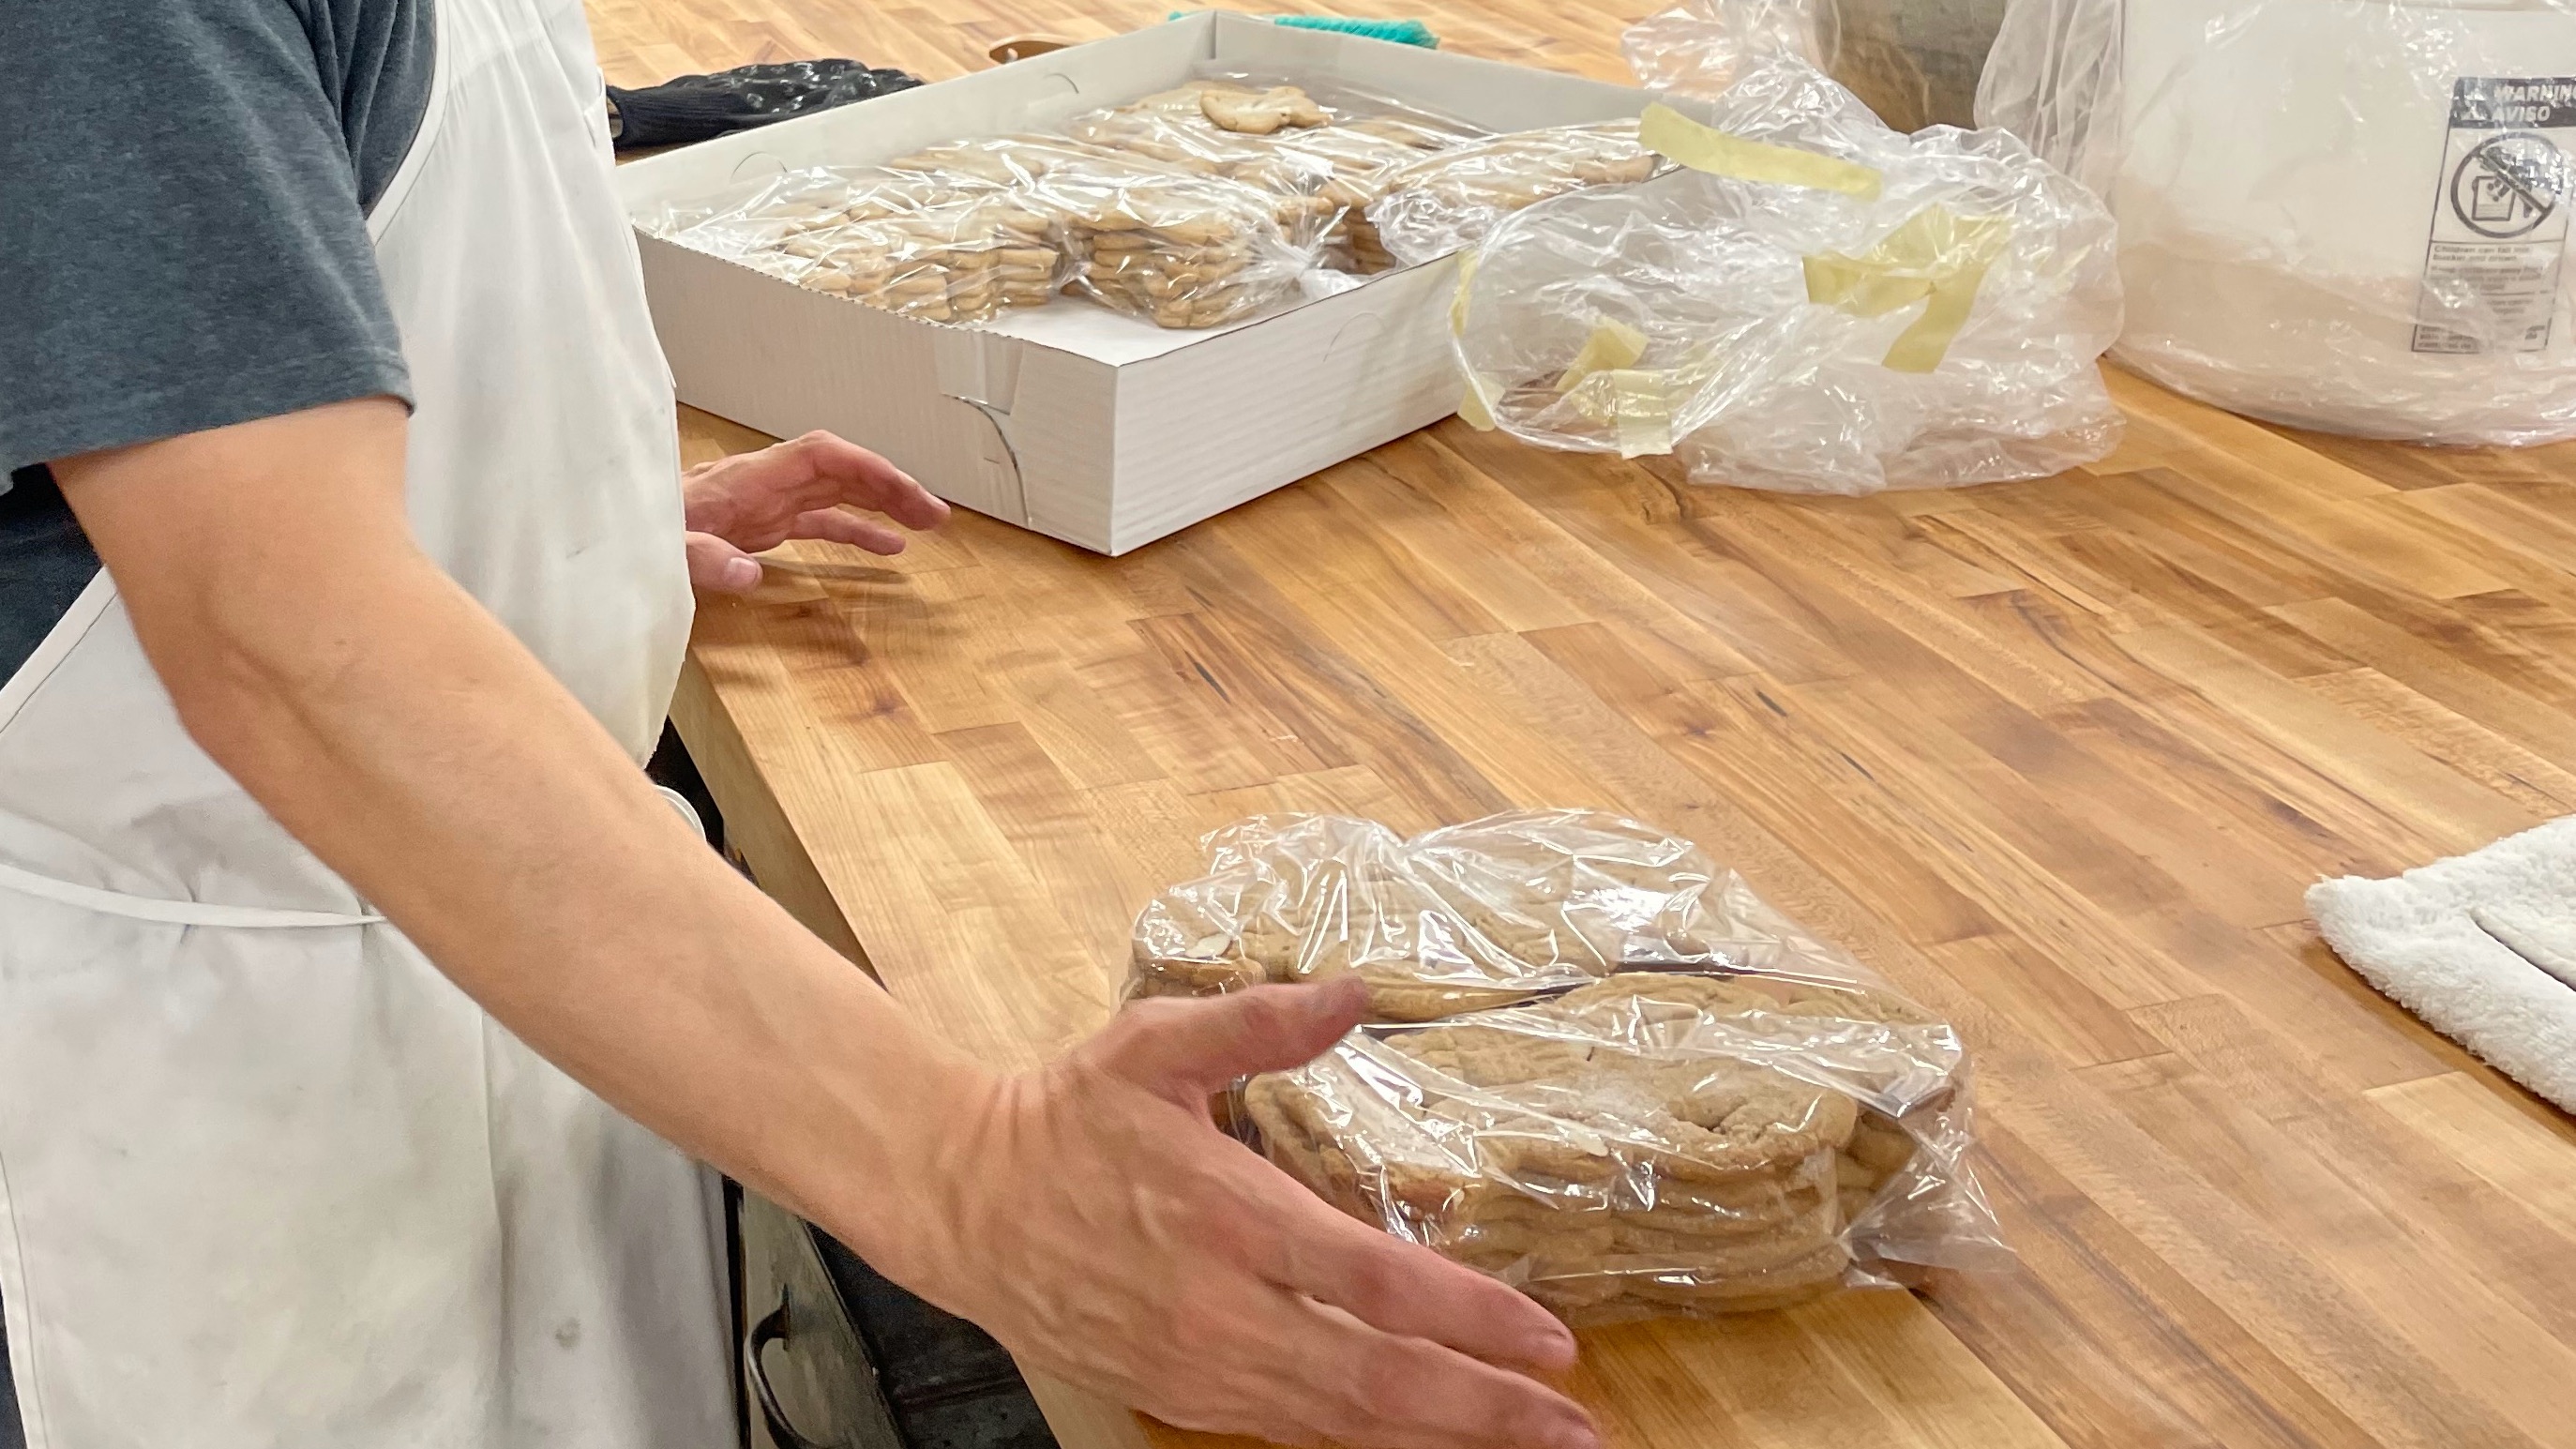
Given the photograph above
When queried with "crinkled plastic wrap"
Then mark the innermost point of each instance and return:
(943, 248)
(761, 218)
(1433, 206)
(1317, 154)
(1173, 246)
(1811, 302)
(1912, 62)
(2338, 215)
(1483, 914)
(1700, 48)
(1020, 159)
(1694, 1106)
(961, 261)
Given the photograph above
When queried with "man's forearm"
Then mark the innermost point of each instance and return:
(396, 728)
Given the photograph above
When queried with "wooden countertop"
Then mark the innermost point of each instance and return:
(2058, 757)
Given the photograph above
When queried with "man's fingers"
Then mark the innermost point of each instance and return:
(717, 567)
(1183, 1050)
(844, 472)
(1404, 1288)
(1292, 1371)
(1390, 1392)
(849, 528)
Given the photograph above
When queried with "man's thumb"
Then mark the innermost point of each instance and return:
(717, 567)
(1186, 1050)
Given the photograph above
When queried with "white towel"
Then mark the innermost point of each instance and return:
(2482, 946)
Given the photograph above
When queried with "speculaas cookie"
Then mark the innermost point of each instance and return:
(1602, 1172)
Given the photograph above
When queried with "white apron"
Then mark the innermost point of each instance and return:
(266, 1177)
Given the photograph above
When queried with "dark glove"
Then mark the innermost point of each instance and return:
(695, 107)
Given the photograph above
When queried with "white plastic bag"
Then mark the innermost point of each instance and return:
(2349, 215)
(1813, 303)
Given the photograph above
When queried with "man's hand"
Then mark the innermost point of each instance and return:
(741, 505)
(1096, 1222)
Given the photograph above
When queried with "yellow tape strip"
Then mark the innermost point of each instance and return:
(1472, 409)
(1937, 255)
(1612, 345)
(1458, 299)
(1636, 404)
(1676, 137)
(1921, 347)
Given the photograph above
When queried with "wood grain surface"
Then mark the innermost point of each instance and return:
(2058, 757)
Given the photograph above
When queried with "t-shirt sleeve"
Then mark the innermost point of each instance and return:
(181, 241)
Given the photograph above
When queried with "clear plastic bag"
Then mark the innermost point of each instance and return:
(1700, 48)
(1178, 248)
(1019, 160)
(2338, 215)
(1914, 64)
(1475, 915)
(764, 216)
(1317, 153)
(1810, 303)
(1428, 208)
(1694, 1106)
(963, 261)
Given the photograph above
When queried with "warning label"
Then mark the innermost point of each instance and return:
(2499, 238)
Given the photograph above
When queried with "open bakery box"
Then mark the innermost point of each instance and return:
(1091, 426)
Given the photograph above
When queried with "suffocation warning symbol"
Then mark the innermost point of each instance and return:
(2496, 257)
(2508, 185)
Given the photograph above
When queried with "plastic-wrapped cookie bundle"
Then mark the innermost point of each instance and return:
(1476, 915)
(1432, 206)
(1178, 248)
(960, 262)
(1181, 128)
(1019, 160)
(1204, 125)
(1600, 1068)
(1318, 160)
(1810, 302)
(759, 228)
(1653, 1143)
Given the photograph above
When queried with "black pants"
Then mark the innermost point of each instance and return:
(13, 1434)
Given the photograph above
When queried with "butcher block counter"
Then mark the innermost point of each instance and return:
(2057, 757)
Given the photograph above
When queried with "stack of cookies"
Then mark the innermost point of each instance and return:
(1217, 129)
(803, 203)
(1601, 1070)
(1179, 248)
(1612, 1151)
(1318, 164)
(1447, 200)
(962, 261)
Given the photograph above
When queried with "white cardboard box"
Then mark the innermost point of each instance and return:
(1097, 428)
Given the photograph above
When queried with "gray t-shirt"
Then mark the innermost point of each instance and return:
(183, 243)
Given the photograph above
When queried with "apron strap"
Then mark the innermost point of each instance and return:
(203, 913)
(176, 913)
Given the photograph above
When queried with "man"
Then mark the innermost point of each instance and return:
(331, 892)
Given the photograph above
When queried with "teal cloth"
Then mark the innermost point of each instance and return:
(1401, 32)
